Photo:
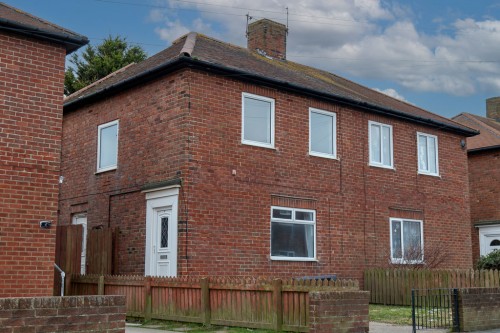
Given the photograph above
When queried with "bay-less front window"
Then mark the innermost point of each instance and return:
(427, 154)
(258, 120)
(293, 234)
(107, 146)
(407, 242)
(322, 133)
(380, 138)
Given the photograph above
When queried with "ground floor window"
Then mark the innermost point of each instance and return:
(407, 242)
(293, 234)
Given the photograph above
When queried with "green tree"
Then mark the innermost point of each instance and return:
(99, 61)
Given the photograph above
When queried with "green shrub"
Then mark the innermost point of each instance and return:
(489, 261)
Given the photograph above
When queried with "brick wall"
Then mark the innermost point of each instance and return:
(63, 314)
(339, 311)
(479, 309)
(188, 125)
(31, 94)
(484, 175)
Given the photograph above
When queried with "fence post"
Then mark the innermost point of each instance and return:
(456, 312)
(414, 324)
(205, 301)
(278, 304)
(67, 284)
(100, 285)
(147, 298)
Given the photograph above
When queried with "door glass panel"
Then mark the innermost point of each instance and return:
(495, 242)
(164, 232)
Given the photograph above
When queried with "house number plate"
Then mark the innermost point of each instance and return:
(163, 257)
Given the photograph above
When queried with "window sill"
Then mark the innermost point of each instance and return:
(293, 259)
(258, 144)
(105, 170)
(429, 174)
(407, 262)
(330, 157)
(390, 167)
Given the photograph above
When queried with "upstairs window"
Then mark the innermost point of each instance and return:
(380, 141)
(257, 120)
(427, 154)
(293, 234)
(322, 133)
(107, 146)
(407, 243)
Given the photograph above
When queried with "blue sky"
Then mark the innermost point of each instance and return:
(443, 56)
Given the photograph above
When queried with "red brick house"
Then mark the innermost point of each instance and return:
(484, 177)
(216, 159)
(32, 54)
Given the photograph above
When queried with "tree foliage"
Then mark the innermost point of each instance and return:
(99, 61)
(489, 261)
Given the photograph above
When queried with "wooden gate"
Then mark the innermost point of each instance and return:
(100, 251)
(68, 252)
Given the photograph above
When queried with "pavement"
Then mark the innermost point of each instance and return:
(374, 328)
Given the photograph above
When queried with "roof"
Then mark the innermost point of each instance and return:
(489, 137)
(205, 53)
(15, 20)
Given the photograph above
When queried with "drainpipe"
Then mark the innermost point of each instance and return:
(62, 278)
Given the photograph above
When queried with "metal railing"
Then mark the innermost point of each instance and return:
(62, 278)
(435, 308)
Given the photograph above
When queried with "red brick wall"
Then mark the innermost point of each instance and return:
(484, 177)
(228, 216)
(339, 311)
(479, 309)
(31, 93)
(67, 315)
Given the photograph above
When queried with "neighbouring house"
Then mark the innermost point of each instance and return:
(213, 159)
(483, 153)
(32, 55)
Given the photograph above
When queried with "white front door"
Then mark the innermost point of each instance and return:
(82, 220)
(161, 232)
(489, 239)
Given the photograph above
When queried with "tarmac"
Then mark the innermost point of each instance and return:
(374, 328)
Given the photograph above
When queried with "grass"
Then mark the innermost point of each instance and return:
(397, 315)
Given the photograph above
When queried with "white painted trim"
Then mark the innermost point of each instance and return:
(399, 260)
(159, 190)
(374, 163)
(484, 232)
(424, 172)
(99, 129)
(334, 134)
(293, 221)
(265, 99)
(162, 198)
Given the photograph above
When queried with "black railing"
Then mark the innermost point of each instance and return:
(435, 308)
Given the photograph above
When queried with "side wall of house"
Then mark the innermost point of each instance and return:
(152, 141)
(232, 187)
(484, 179)
(31, 94)
(188, 125)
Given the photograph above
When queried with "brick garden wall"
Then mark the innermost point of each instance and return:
(339, 311)
(31, 95)
(100, 314)
(484, 177)
(188, 125)
(479, 309)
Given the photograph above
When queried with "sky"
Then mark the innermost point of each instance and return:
(443, 56)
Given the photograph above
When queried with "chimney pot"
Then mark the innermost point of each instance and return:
(268, 36)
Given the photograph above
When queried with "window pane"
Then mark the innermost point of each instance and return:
(109, 146)
(412, 241)
(164, 232)
(396, 240)
(432, 155)
(282, 214)
(304, 216)
(321, 133)
(422, 153)
(257, 120)
(375, 144)
(292, 240)
(386, 145)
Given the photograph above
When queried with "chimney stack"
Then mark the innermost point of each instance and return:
(268, 36)
(493, 108)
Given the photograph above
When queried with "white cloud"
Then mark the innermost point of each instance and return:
(391, 92)
(373, 39)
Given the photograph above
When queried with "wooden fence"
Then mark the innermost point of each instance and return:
(245, 302)
(393, 287)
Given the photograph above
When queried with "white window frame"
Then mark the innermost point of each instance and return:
(334, 133)
(251, 142)
(427, 172)
(375, 163)
(293, 221)
(402, 260)
(99, 130)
